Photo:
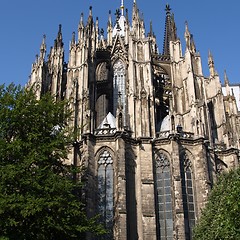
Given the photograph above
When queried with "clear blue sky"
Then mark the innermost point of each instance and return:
(213, 23)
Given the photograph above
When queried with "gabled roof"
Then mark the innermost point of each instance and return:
(109, 121)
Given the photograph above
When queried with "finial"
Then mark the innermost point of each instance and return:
(187, 36)
(60, 28)
(73, 37)
(122, 7)
(211, 64)
(226, 81)
(186, 25)
(90, 11)
(59, 36)
(210, 58)
(168, 9)
(126, 15)
(227, 85)
(109, 18)
(192, 43)
(151, 29)
(43, 45)
(44, 38)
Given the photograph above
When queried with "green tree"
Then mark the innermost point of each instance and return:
(220, 218)
(38, 197)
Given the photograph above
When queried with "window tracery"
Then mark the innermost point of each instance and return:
(118, 86)
(105, 189)
(164, 197)
(187, 194)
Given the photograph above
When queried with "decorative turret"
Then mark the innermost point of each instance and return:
(90, 17)
(96, 37)
(226, 82)
(38, 73)
(138, 29)
(73, 41)
(55, 65)
(187, 36)
(127, 28)
(190, 45)
(211, 65)
(109, 30)
(43, 48)
(153, 40)
(151, 34)
(58, 41)
(81, 29)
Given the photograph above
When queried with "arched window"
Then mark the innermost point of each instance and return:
(105, 189)
(118, 85)
(187, 195)
(163, 197)
(101, 109)
(102, 72)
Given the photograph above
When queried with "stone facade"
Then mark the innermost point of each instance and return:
(154, 132)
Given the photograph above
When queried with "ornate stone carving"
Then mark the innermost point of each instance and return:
(162, 161)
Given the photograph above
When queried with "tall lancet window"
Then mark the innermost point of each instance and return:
(187, 195)
(119, 92)
(105, 189)
(163, 197)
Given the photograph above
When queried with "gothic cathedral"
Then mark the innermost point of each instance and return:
(154, 132)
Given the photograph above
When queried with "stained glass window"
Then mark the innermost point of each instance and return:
(187, 195)
(163, 197)
(118, 85)
(105, 190)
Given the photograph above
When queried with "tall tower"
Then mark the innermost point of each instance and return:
(154, 132)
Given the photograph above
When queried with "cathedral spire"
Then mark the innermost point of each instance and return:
(170, 30)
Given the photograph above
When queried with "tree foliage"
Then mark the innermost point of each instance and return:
(38, 197)
(221, 217)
